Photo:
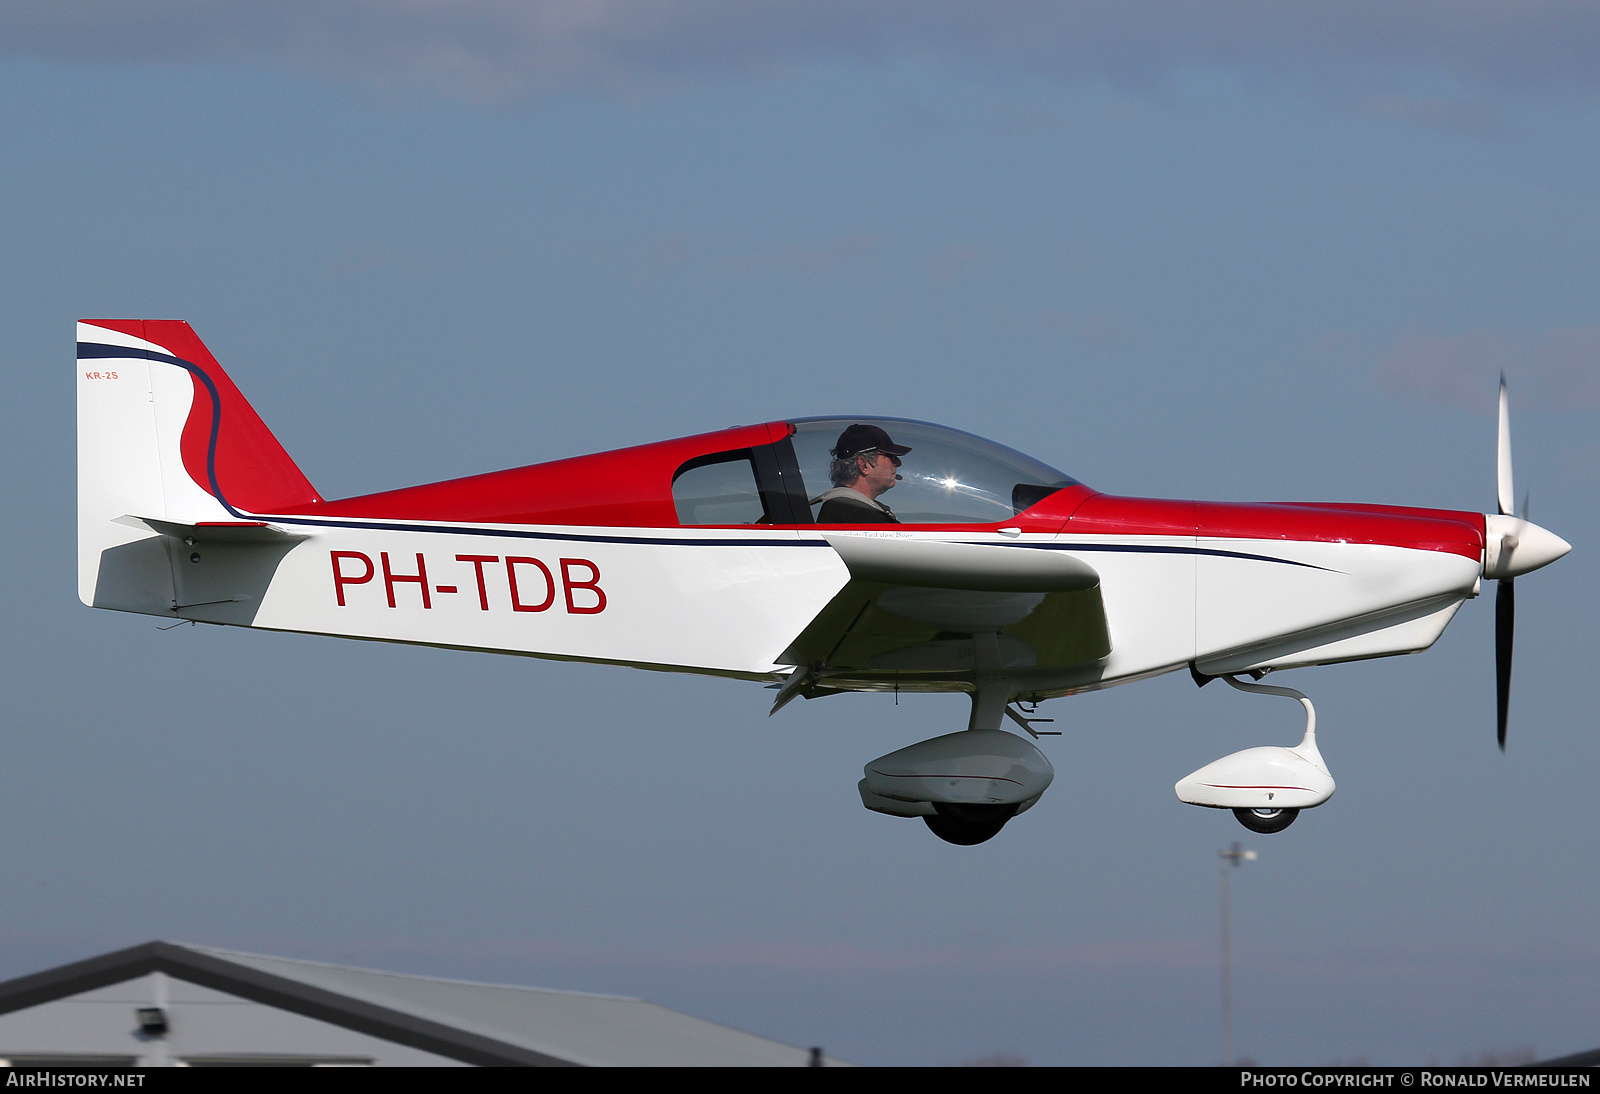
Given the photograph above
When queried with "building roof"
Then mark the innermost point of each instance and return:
(490, 1024)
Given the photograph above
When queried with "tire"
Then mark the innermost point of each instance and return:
(968, 825)
(1266, 821)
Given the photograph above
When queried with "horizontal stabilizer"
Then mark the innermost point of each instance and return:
(243, 531)
(208, 572)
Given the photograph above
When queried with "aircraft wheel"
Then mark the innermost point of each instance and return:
(1266, 821)
(968, 825)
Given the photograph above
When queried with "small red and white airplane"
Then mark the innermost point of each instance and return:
(770, 553)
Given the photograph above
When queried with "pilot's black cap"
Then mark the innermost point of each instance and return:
(861, 438)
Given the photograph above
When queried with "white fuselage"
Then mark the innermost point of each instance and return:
(729, 602)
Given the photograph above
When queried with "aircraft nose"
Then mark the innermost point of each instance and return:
(1514, 547)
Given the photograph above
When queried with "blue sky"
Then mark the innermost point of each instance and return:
(1216, 256)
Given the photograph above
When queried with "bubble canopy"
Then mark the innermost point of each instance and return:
(948, 477)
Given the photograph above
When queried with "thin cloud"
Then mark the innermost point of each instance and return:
(494, 50)
(1471, 117)
(809, 257)
(1159, 953)
(1558, 368)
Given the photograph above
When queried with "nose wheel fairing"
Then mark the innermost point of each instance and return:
(1266, 787)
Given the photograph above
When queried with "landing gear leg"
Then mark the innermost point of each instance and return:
(1268, 821)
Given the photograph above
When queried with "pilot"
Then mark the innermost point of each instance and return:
(862, 471)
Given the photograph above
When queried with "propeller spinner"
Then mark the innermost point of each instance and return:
(1512, 546)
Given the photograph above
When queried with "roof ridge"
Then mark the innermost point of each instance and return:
(225, 953)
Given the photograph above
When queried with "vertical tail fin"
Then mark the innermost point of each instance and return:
(164, 434)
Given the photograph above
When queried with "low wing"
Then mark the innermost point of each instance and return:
(914, 609)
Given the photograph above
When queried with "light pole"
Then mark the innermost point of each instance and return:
(1232, 858)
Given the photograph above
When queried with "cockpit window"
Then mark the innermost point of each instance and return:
(947, 477)
(719, 489)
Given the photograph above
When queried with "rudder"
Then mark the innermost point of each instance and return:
(163, 433)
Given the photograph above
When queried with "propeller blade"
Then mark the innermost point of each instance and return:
(1505, 613)
(1507, 494)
